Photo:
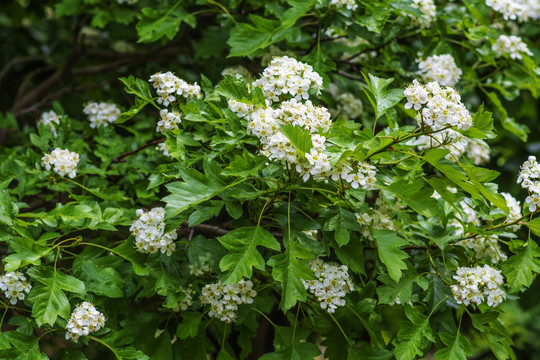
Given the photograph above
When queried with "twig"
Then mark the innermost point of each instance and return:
(120, 157)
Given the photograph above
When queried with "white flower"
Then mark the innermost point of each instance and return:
(148, 231)
(169, 120)
(521, 10)
(331, 285)
(84, 320)
(168, 86)
(164, 148)
(14, 286)
(350, 106)
(62, 161)
(437, 107)
(236, 70)
(485, 246)
(286, 75)
(429, 12)
(457, 145)
(50, 118)
(349, 4)
(378, 218)
(529, 178)
(476, 285)
(512, 46)
(514, 208)
(101, 114)
(440, 68)
(225, 298)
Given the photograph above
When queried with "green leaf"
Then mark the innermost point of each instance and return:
(482, 125)
(290, 271)
(127, 251)
(49, 299)
(189, 326)
(155, 24)
(341, 221)
(132, 111)
(205, 212)
(321, 63)
(458, 347)
(388, 243)
(507, 122)
(195, 189)
(27, 251)
(246, 39)
(414, 336)
(521, 269)
(243, 255)
(137, 87)
(102, 279)
(236, 89)
(412, 194)
(299, 138)
(381, 99)
(24, 347)
(245, 165)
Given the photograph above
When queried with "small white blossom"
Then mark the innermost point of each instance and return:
(514, 208)
(286, 75)
(148, 231)
(429, 12)
(440, 68)
(437, 107)
(84, 320)
(512, 46)
(168, 87)
(477, 285)
(62, 161)
(349, 4)
(14, 286)
(485, 246)
(236, 70)
(101, 114)
(521, 10)
(529, 178)
(470, 217)
(199, 271)
(164, 148)
(225, 298)
(331, 285)
(187, 301)
(378, 218)
(457, 145)
(169, 120)
(50, 118)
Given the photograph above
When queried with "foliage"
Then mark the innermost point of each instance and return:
(240, 214)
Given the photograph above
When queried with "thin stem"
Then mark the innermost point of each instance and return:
(266, 317)
(431, 313)
(104, 344)
(339, 326)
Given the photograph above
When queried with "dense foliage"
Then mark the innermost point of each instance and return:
(292, 179)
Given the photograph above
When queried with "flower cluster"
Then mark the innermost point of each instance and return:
(457, 145)
(14, 285)
(129, 2)
(101, 114)
(84, 320)
(440, 68)
(514, 210)
(470, 217)
(286, 75)
(379, 218)
(224, 299)
(199, 271)
(429, 12)
(439, 107)
(485, 246)
(187, 301)
(169, 120)
(474, 284)
(512, 46)
(331, 285)
(349, 4)
(62, 161)
(168, 86)
(529, 178)
(50, 118)
(148, 231)
(351, 107)
(521, 10)
(164, 148)
(236, 70)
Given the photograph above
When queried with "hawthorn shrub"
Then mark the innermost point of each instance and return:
(291, 179)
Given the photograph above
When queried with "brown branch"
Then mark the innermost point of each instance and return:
(120, 157)
(349, 76)
(19, 60)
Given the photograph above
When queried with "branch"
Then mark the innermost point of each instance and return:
(120, 157)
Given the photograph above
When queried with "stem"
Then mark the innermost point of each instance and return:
(339, 326)
(431, 313)
(104, 344)
(266, 317)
